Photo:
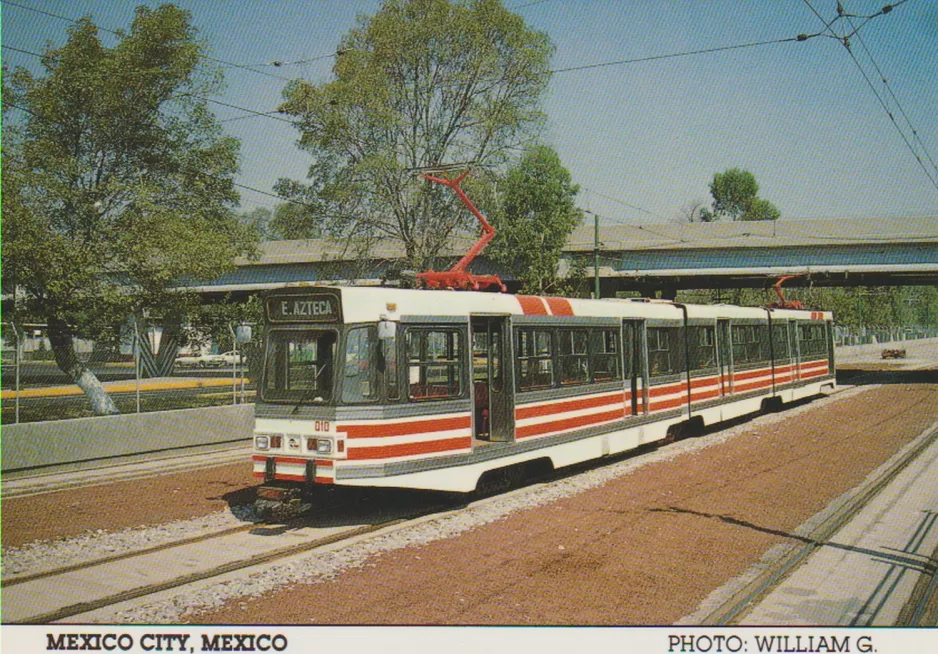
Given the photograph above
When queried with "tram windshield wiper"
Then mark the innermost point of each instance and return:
(314, 387)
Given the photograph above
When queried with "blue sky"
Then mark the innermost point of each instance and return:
(642, 139)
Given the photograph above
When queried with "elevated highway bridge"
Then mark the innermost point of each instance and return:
(854, 252)
(656, 258)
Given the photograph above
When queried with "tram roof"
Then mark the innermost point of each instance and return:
(368, 304)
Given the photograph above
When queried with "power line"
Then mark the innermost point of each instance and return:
(895, 99)
(121, 34)
(253, 113)
(279, 64)
(10, 47)
(625, 204)
(690, 53)
(845, 41)
(529, 4)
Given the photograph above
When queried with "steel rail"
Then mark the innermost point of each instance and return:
(225, 568)
(732, 610)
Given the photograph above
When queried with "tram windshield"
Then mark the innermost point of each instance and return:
(300, 365)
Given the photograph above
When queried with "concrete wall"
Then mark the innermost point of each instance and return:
(56, 442)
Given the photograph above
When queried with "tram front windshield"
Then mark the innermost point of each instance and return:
(300, 365)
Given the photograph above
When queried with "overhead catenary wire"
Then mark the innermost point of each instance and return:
(687, 53)
(845, 41)
(253, 112)
(272, 114)
(895, 99)
(12, 3)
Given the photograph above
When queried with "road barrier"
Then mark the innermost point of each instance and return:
(51, 443)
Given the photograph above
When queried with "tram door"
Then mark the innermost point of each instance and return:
(725, 356)
(633, 347)
(783, 348)
(491, 382)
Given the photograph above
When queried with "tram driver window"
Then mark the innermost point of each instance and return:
(358, 373)
(299, 366)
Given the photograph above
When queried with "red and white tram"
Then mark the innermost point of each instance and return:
(441, 389)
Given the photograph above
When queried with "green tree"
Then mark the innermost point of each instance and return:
(293, 220)
(120, 184)
(258, 221)
(421, 84)
(536, 215)
(735, 195)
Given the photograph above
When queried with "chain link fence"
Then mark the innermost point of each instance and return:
(143, 373)
(873, 335)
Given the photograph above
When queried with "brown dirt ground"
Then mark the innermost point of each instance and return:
(644, 549)
(118, 505)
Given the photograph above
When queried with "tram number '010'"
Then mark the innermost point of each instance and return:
(321, 425)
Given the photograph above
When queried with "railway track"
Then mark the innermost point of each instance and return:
(920, 609)
(105, 582)
(80, 589)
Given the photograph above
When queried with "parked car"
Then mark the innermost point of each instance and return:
(232, 358)
(198, 360)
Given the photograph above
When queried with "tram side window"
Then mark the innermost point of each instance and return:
(605, 357)
(702, 348)
(535, 362)
(664, 351)
(780, 340)
(434, 364)
(750, 344)
(573, 357)
(762, 339)
(813, 340)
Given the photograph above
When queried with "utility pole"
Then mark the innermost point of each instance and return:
(596, 255)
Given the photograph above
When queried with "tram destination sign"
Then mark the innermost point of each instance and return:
(306, 307)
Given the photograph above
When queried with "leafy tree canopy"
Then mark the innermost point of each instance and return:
(536, 215)
(735, 195)
(421, 84)
(117, 183)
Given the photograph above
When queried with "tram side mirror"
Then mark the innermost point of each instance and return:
(243, 333)
(387, 329)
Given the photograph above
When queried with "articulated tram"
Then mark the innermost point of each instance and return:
(449, 390)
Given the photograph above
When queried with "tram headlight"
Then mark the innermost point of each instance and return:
(262, 442)
(320, 445)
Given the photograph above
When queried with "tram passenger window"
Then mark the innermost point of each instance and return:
(664, 351)
(702, 348)
(813, 340)
(762, 338)
(745, 345)
(358, 372)
(535, 362)
(573, 357)
(604, 355)
(434, 367)
(780, 340)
